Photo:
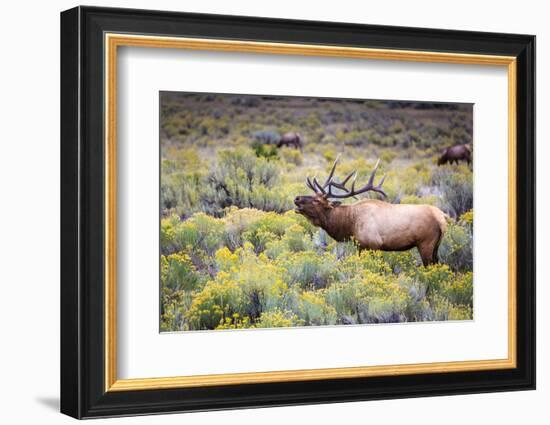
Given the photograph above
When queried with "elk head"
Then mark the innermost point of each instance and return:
(443, 158)
(315, 207)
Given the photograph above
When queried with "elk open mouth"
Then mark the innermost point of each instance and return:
(298, 208)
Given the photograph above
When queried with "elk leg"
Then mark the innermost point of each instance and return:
(426, 250)
(435, 257)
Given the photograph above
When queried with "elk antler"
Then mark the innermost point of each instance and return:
(326, 188)
(320, 188)
(368, 187)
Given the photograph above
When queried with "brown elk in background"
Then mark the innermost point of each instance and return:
(374, 224)
(456, 153)
(291, 139)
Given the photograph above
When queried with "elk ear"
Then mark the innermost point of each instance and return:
(335, 203)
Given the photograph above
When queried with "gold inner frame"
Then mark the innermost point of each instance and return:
(113, 41)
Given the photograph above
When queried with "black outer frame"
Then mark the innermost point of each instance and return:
(82, 212)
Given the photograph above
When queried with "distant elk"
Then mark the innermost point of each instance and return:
(372, 223)
(456, 153)
(291, 139)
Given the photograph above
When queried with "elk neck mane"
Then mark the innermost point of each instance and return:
(339, 221)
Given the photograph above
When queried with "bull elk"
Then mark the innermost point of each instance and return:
(374, 224)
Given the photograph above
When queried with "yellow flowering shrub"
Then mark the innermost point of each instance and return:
(364, 260)
(235, 321)
(246, 285)
(167, 233)
(219, 299)
(178, 272)
(467, 217)
(313, 309)
(402, 262)
(329, 155)
(253, 268)
(278, 319)
(226, 260)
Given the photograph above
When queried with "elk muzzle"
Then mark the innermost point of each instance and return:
(301, 201)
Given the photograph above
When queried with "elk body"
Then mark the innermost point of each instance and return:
(291, 139)
(374, 224)
(456, 153)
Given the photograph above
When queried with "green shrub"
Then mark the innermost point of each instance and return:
(201, 231)
(178, 272)
(443, 309)
(455, 184)
(413, 199)
(291, 156)
(313, 310)
(368, 298)
(297, 239)
(243, 180)
(309, 269)
(179, 280)
(264, 151)
(181, 192)
(456, 248)
(238, 221)
(460, 290)
(265, 227)
(402, 262)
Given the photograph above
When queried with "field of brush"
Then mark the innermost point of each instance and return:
(234, 254)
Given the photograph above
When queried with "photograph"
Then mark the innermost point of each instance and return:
(286, 211)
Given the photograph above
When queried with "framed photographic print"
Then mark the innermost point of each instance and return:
(261, 212)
